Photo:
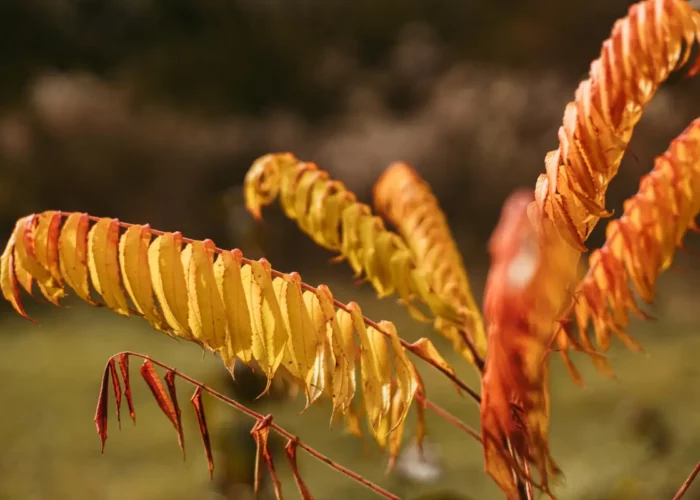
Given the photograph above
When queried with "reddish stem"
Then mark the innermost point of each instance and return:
(259, 417)
(686, 484)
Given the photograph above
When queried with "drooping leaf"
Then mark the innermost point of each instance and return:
(117, 390)
(170, 383)
(102, 404)
(169, 282)
(198, 405)
(166, 405)
(103, 263)
(261, 434)
(8, 279)
(72, 251)
(124, 368)
(291, 451)
(136, 273)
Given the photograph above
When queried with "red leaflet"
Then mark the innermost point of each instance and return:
(203, 429)
(291, 450)
(170, 382)
(166, 405)
(261, 433)
(101, 411)
(117, 389)
(124, 368)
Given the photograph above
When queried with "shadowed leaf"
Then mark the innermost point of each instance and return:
(198, 405)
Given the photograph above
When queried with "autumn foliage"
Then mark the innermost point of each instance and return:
(244, 310)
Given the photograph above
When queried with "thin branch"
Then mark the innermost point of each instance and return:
(448, 416)
(686, 484)
(462, 385)
(267, 418)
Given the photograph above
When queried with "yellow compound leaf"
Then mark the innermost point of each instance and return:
(331, 215)
(228, 304)
(136, 273)
(103, 263)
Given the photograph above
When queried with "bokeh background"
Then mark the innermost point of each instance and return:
(152, 111)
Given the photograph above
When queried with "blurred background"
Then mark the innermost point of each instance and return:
(153, 110)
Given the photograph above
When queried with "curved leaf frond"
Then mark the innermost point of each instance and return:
(406, 200)
(236, 307)
(331, 215)
(654, 39)
(525, 294)
(639, 246)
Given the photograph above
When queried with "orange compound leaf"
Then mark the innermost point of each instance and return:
(291, 450)
(406, 200)
(124, 369)
(170, 383)
(167, 406)
(640, 245)
(198, 405)
(525, 293)
(656, 38)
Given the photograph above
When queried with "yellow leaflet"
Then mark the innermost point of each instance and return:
(318, 378)
(46, 251)
(346, 344)
(227, 272)
(303, 191)
(289, 361)
(334, 205)
(406, 383)
(427, 350)
(375, 369)
(268, 348)
(351, 246)
(136, 275)
(8, 280)
(103, 249)
(343, 371)
(370, 227)
(72, 251)
(207, 318)
(398, 422)
(305, 345)
(26, 256)
(168, 281)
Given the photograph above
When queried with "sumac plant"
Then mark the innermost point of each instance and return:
(245, 310)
